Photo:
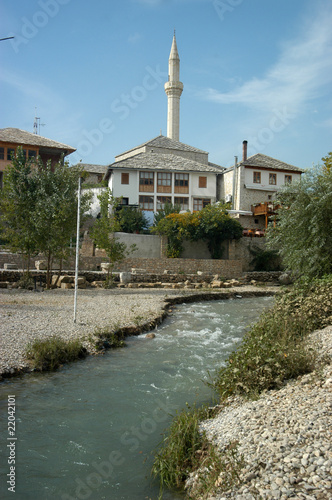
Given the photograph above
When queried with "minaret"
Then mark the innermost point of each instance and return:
(173, 89)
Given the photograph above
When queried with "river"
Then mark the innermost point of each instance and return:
(88, 431)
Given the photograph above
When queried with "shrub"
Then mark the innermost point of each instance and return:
(49, 354)
(265, 260)
(109, 339)
(275, 348)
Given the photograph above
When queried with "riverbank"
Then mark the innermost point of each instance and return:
(284, 436)
(27, 316)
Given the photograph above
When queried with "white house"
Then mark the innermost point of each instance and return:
(252, 184)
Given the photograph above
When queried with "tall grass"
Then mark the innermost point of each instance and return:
(49, 354)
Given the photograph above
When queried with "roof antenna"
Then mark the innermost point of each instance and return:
(37, 124)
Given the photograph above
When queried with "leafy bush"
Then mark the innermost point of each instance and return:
(49, 354)
(131, 219)
(265, 260)
(275, 348)
(109, 339)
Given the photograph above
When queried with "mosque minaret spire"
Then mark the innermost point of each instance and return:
(173, 89)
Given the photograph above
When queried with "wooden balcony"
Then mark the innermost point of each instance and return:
(267, 208)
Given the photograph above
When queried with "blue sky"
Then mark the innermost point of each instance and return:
(256, 70)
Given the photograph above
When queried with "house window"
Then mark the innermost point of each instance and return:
(124, 201)
(257, 177)
(2, 153)
(24, 151)
(273, 179)
(162, 200)
(288, 179)
(124, 178)
(146, 202)
(146, 181)
(181, 183)
(200, 203)
(32, 153)
(10, 152)
(164, 182)
(183, 202)
(202, 182)
(1, 180)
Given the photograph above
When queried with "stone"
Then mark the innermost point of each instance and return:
(8, 265)
(4, 284)
(150, 336)
(66, 286)
(125, 277)
(285, 279)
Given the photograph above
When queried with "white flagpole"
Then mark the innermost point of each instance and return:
(77, 244)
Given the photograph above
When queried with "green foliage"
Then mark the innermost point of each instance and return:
(49, 354)
(168, 209)
(39, 207)
(327, 167)
(303, 232)
(131, 219)
(275, 348)
(109, 339)
(103, 231)
(185, 449)
(264, 260)
(212, 224)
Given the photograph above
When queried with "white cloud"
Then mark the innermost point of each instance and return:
(134, 38)
(302, 73)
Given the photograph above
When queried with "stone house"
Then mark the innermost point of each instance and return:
(33, 145)
(251, 187)
(162, 171)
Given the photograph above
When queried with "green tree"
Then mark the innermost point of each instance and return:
(103, 231)
(17, 206)
(303, 230)
(327, 163)
(131, 219)
(212, 224)
(55, 213)
(215, 226)
(39, 208)
(168, 209)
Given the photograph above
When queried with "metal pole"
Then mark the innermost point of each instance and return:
(234, 182)
(77, 244)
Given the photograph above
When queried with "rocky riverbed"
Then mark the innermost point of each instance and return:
(284, 436)
(26, 315)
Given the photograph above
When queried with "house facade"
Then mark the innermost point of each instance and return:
(162, 171)
(251, 187)
(33, 145)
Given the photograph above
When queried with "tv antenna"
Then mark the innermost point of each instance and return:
(37, 124)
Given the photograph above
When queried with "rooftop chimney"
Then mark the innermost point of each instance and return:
(244, 150)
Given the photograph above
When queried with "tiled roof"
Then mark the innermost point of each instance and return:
(165, 142)
(162, 162)
(93, 169)
(264, 161)
(18, 136)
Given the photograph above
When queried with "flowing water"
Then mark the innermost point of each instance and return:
(89, 430)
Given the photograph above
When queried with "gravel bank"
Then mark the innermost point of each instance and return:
(25, 316)
(284, 436)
